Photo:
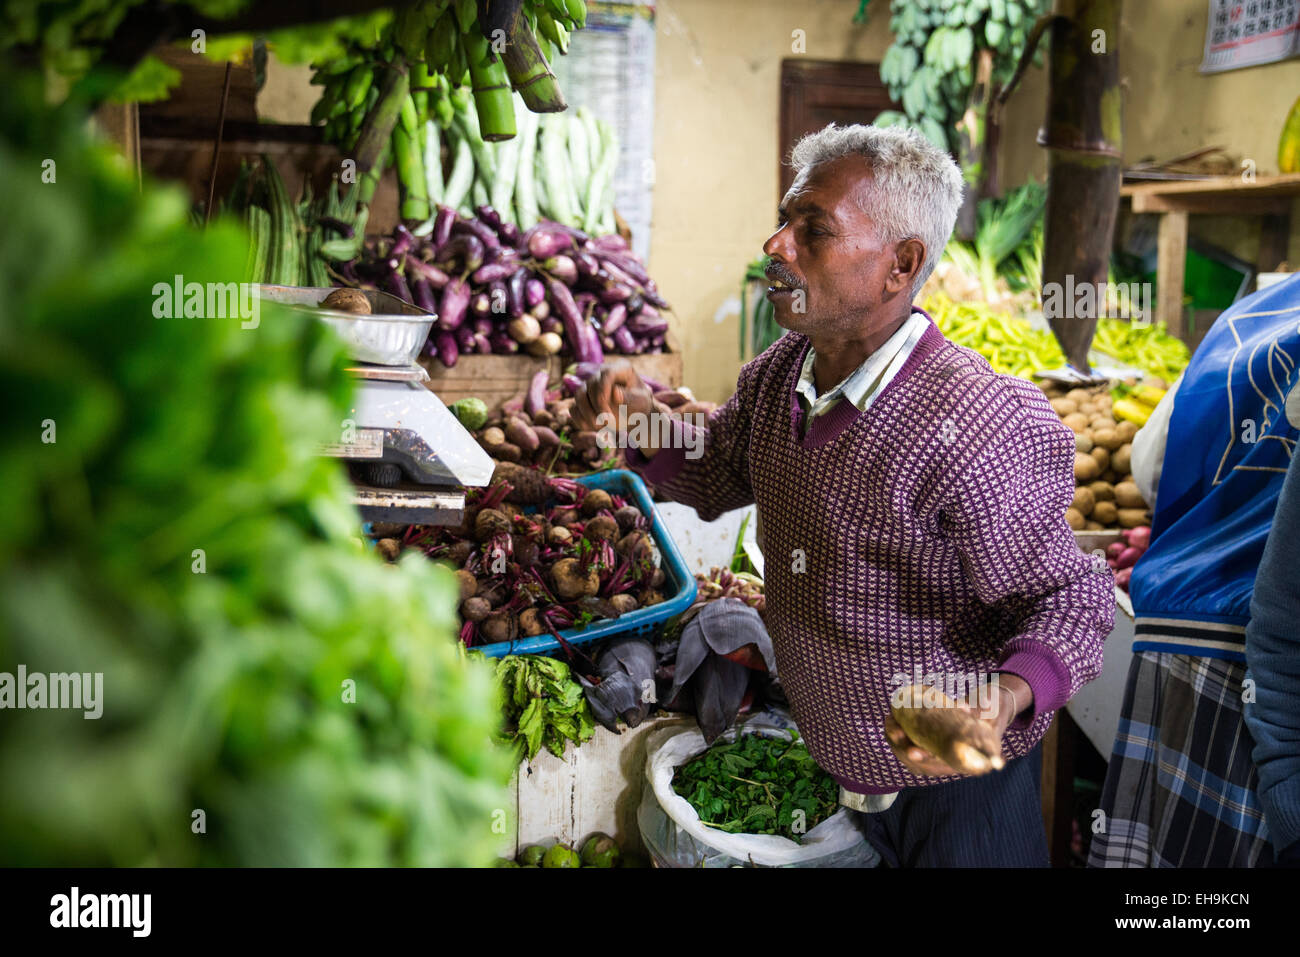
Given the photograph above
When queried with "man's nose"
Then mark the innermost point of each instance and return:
(779, 246)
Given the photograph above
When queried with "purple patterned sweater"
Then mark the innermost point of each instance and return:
(930, 530)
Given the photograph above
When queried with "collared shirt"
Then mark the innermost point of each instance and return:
(868, 380)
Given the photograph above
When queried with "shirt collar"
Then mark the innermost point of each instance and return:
(858, 386)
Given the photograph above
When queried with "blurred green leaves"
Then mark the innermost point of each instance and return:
(223, 690)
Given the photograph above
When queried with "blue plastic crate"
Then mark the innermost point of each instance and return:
(678, 587)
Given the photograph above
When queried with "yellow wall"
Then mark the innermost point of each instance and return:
(717, 100)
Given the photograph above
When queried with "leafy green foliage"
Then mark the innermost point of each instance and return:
(758, 328)
(176, 532)
(929, 69)
(1008, 232)
(758, 785)
(544, 705)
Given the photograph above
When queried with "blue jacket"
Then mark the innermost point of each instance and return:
(1228, 450)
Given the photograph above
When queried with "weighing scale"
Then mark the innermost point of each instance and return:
(409, 457)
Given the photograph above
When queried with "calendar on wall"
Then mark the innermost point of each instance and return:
(1249, 32)
(610, 70)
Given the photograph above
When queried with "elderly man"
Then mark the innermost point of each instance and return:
(911, 506)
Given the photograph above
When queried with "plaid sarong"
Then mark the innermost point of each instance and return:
(1180, 790)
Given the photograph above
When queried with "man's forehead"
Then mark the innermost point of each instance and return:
(822, 188)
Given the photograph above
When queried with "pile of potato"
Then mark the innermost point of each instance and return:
(1105, 496)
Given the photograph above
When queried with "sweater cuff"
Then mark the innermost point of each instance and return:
(1281, 804)
(667, 462)
(1045, 674)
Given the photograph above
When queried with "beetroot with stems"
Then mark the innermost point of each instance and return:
(601, 528)
(490, 522)
(475, 609)
(501, 625)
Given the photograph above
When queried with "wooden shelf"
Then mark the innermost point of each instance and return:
(1228, 195)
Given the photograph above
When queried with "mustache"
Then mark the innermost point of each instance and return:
(779, 272)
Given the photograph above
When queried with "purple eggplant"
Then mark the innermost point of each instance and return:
(498, 298)
(453, 305)
(482, 344)
(509, 234)
(607, 343)
(448, 352)
(645, 326)
(547, 241)
(396, 284)
(479, 230)
(502, 344)
(442, 224)
(624, 340)
(493, 271)
(465, 336)
(483, 326)
(584, 370)
(615, 317)
(562, 268)
(430, 273)
(551, 324)
(654, 386)
(405, 240)
(489, 215)
(534, 292)
(571, 384)
(611, 243)
(516, 295)
(587, 264)
(628, 265)
(422, 292)
(480, 304)
(615, 293)
(467, 248)
(575, 326)
(654, 298)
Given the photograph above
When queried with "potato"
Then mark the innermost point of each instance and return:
(1107, 438)
(1111, 476)
(1122, 460)
(1126, 430)
(1091, 526)
(1064, 407)
(1088, 408)
(1127, 495)
(1074, 519)
(1085, 467)
(1156, 382)
(1106, 513)
(1102, 456)
(1084, 500)
(1102, 491)
(1082, 443)
(1079, 395)
(1133, 517)
(1076, 421)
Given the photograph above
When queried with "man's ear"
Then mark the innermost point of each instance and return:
(909, 257)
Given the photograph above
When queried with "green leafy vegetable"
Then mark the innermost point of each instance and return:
(544, 705)
(758, 785)
(169, 526)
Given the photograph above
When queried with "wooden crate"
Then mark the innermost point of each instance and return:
(497, 378)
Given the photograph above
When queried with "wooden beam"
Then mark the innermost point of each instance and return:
(1218, 204)
(1171, 261)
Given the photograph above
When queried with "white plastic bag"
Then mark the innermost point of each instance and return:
(675, 837)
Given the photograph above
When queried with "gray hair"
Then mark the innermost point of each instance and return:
(917, 186)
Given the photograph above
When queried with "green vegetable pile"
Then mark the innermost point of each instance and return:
(758, 785)
(1010, 344)
(272, 694)
(544, 705)
(1146, 346)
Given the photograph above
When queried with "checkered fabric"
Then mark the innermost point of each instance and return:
(926, 532)
(1182, 715)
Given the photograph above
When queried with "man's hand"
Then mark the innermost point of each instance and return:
(1011, 695)
(616, 385)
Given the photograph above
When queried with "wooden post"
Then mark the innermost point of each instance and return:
(1083, 137)
(1171, 262)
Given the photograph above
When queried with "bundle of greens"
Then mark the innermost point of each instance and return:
(758, 785)
(544, 705)
(271, 694)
